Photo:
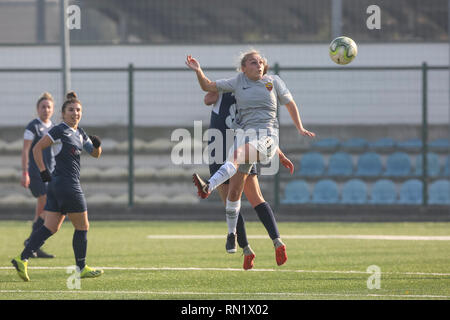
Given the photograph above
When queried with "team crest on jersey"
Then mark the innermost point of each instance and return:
(269, 86)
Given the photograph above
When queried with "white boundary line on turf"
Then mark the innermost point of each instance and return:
(228, 293)
(237, 270)
(317, 236)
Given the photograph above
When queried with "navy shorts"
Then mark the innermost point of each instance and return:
(37, 186)
(65, 196)
(215, 166)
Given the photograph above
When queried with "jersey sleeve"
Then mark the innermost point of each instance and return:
(28, 135)
(87, 143)
(227, 85)
(283, 94)
(55, 133)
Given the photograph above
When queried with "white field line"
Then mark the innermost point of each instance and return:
(235, 270)
(281, 294)
(317, 236)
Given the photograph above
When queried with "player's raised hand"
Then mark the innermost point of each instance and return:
(192, 63)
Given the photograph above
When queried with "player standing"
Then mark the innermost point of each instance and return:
(31, 178)
(64, 196)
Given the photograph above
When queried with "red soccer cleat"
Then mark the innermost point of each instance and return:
(280, 255)
(248, 261)
(202, 186)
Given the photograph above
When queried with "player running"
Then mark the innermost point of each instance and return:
(257, 97)
(64, 196)
(31, 178)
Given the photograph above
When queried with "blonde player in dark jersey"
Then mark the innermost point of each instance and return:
(31, 179)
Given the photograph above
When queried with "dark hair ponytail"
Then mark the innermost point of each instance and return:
(71, 97)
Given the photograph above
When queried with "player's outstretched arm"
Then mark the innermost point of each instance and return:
(211, 98)
(205, 83)
(285, 161)
(295, 116)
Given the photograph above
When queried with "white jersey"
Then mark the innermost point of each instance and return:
(257, 101)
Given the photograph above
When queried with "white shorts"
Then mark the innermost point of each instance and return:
(266, 146)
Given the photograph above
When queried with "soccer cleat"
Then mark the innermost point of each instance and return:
(280, 255)
(230, 246)
(21, 267)
(88, 272)
(202, 186)
(39, 253)
(248, 261)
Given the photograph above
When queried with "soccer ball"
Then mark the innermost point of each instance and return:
(343, 50)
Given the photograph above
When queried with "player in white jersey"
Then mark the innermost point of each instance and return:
(257, 96)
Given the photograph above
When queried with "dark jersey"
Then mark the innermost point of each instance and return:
(222, 116)
(34, 131)
(68, 144)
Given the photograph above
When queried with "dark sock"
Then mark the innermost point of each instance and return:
(36, 241)
(266, 216)
(241, 233)
(79, 244)
(36, 225)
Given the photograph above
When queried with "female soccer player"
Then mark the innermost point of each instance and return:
(257, 96)
(64, 196)
(221, 115)
(31, 179)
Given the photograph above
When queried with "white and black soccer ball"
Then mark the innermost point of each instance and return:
(343, 50)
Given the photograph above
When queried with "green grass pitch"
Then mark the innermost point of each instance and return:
(137, 267)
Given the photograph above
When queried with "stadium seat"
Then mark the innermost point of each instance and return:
(447, 166)
(411, 192)
(433, 167)
(439, 145)
(411, 145)
(354, 192)
(355, 145)
(398, 164)
(296, 191)
(369, 165)
(312, 164)
(325, 192)
(340, 165)
(326, 144)
(382, 145)
(383, 192)
(439, 192)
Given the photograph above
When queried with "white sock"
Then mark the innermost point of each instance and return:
(232, 213)
(277, 242)
(225, 172)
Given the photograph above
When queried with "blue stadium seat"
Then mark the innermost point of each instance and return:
(433, 167)
(296, 191)
(439, 192)
(447, 166)
(383, 144)
(326, 144)
(340, 165)
(325, 192)
(369, 165)
(312, 164)
(354, 192)
(411, 192)
(398, 164)
(439, 145)
(410, 145)
(355, 145)
(383, 192)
